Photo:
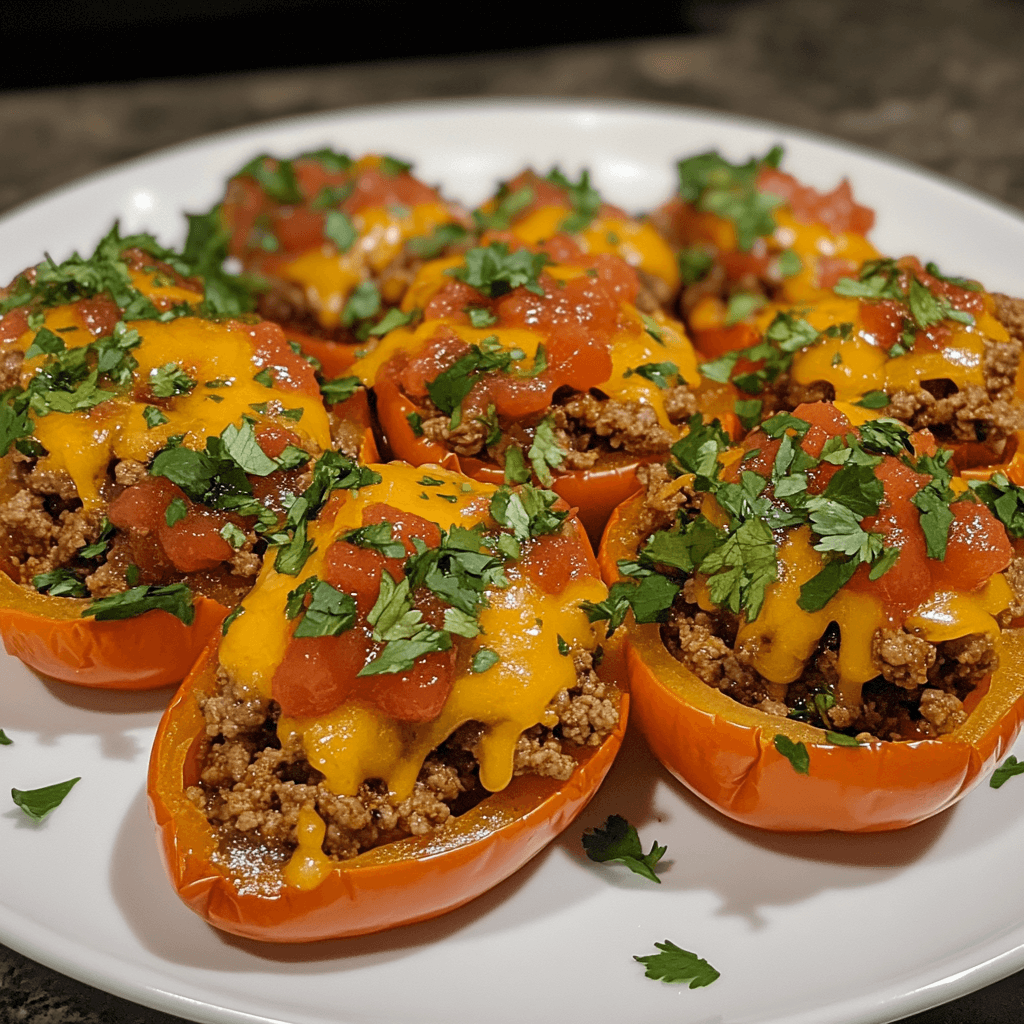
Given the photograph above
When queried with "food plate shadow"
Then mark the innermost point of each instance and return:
(50, 710)
(146, 899)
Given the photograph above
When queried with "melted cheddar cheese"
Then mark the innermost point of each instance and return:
(858, 364)
(327, 276)
(637, 243)
(355, 742)
(810, 242)
(783, 638)
(82, 444)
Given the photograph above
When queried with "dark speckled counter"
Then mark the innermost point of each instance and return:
(940, 84)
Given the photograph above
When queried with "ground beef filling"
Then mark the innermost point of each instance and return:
(588, 428)
(253, 788)
(918, 694)
(990, 414)
(43, 528)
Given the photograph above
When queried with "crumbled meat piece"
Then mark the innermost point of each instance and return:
(128, 472)
(665, 498)
(629, 426)
(540, 753)
(50, 481)
(1014, 575)
(245, 561)
(904, 658)
(944, 711)
(10, 369)
(1010, 313)
(468, 438)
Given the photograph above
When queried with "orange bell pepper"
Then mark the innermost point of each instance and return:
(397, 883)
(725, 752)
(151, 650)
(403, 882)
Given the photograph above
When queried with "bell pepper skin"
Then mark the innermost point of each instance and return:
(725, 753)
(154, 649)
(593, 492)
(400, 883)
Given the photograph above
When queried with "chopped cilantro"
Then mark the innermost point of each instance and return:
(153, 416)
(742, 305)
(329, 611)
(694, 264)
(874, 400)
(175, 511)
(169, 380)
(275, 177)
(60, 583)
(340, 389)
(493, 270)
(392, 166)
(508, 205)
(675, 965)
(661, 374)
(433, 245)
(484, 659)
(1006, 771)
(175, 598)
(479, 317)
(393, 319)
(545, 452)
(339, 229)
(713, 185)
(37, 803)
(617, 840)
(795, 753)
(584, 200)
(363, 302)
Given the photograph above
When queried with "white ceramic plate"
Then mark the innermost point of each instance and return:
(805, 930)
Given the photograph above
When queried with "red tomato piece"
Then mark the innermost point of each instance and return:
(317, 674)
(553, 561)
(976, 549)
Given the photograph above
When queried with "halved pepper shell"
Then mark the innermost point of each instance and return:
(400, 883)
(594, 492)
(150, 650)
(725, 752)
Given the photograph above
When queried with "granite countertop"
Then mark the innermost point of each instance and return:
(938, 84)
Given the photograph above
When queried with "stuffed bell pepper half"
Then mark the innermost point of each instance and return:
(396, 720)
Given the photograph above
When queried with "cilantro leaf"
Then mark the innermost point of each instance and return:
(660, 374)
(175, 598)
(37, 803)
(443, 236)
(339, 389)
(713, 185)
(617, 840)
(545, 453)
(493, 270)
(169, 380)
(484, 659)
(508, 205)
(330, 611)
(339, 229)
(676, 965)
(795, 753)
(1010, 767)
(60, 583)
